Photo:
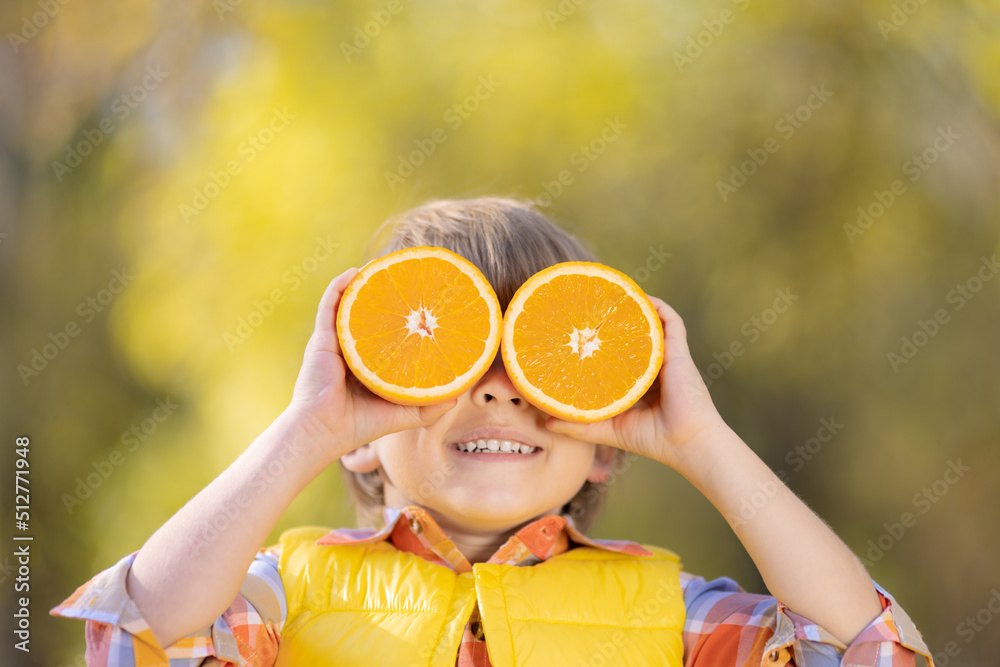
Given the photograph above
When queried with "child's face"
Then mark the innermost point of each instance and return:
(425, 467)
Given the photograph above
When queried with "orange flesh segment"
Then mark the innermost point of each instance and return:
(380, 328)
(543, 331)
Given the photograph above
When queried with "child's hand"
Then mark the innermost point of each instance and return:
(816, 575)
(665, 423)
(331, 400)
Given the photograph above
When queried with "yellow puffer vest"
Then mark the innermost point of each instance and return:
(372, 604)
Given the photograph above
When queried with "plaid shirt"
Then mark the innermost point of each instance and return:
(724, 626)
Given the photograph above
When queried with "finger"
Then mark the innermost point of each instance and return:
(601, 433)
(325, 332)
(391, 417)
(674, 331)
(429, 414)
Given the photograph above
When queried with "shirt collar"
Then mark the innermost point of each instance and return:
(412, 529)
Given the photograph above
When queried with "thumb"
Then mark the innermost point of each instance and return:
(600, 432)
(403, 417)
(382, 417)
(428, 414)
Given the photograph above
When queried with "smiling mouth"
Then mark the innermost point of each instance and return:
(495, 446)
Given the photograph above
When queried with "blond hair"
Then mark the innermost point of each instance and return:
(509, 241)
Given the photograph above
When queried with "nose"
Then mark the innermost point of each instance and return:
(496, 387)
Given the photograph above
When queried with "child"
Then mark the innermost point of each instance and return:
(482, 563)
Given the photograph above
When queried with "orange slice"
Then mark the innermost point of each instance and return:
(581, 341)
(419, 326)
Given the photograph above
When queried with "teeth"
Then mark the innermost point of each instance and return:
(494, 445)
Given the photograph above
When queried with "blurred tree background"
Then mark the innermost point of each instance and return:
(179, 182)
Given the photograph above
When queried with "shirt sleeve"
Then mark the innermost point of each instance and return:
(727, 627)
(247, 633)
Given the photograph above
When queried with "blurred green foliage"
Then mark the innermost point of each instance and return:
(222, 149)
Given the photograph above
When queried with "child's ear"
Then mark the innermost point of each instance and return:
(604, 456)
(362, 459)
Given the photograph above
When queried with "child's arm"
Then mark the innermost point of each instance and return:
(191, 569)
(802, 561)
